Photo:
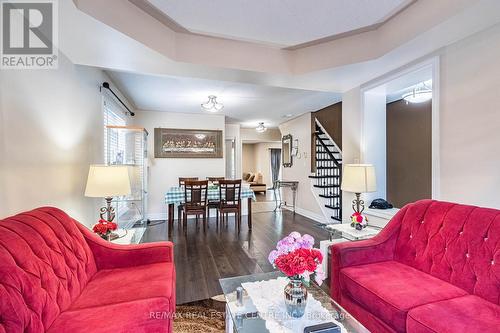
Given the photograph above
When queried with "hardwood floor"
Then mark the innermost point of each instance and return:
(202, 257)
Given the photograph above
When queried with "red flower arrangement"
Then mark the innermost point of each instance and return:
(104, 228)
(299, 261)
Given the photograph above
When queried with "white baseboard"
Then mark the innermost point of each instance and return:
(307, 213)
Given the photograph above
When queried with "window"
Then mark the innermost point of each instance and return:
(114, 115)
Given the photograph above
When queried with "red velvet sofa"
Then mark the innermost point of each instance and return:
(435, 268)
(56, 276)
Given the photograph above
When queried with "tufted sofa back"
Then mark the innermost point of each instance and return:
(456, 243)
(44, 264)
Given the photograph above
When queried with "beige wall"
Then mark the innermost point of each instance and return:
(164, 172)
(257, 158)
(300, 128)
(51, 130)
(470, 120)
(248, 158)
(263, 160)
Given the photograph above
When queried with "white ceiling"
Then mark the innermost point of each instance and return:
(246, 104)
(278, 22)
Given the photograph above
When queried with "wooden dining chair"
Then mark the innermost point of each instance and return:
(211, 202)
(195, 200)
(230, 200)
(182, 182)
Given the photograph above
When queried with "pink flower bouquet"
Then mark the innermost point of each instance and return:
(296, 257)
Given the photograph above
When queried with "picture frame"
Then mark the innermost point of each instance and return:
(187, 143)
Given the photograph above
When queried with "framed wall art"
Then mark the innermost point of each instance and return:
(188, 143)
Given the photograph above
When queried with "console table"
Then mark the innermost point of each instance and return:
(292, 184)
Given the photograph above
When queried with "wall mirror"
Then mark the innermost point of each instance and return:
(286, 150)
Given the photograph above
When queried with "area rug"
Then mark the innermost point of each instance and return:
(206, 316)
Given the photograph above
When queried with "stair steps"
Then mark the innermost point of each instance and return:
(327, 186)
(323, 176)
(329, 168)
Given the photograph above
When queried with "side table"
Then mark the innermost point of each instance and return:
(324, 247)
(343, 233)
(126, 236)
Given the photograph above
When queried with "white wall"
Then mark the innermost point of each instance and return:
(233, 132)
(351, 139)
(300, 128)
(470, 120)
(51, 130)
(164, 172)
(374, 138)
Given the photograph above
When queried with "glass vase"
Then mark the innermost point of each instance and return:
(295, 297)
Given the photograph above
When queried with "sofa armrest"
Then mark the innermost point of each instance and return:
(109, 255)
(377, 249)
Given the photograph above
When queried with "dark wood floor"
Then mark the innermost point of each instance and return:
(202, 257)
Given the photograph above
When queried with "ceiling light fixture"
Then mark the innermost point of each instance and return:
(419, 94)
(261, 128)
(212, 105)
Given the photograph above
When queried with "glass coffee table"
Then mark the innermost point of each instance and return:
(246, 318)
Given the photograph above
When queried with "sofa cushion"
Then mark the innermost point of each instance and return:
(469, 314)
(45, 263)
(140, 316)
(110, 286)
(456, 243)
(390, 289)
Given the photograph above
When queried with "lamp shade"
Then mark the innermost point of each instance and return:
(107, 181)
(359, 178)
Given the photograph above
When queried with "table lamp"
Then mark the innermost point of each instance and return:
(107, 181)
(358, 178)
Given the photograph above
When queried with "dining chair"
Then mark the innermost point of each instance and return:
(182, 181)
(195, 200)
(213, 203)
(230, 200)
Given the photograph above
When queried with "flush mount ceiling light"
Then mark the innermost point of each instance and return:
(261, 128)
(419, 94)
(212, 105)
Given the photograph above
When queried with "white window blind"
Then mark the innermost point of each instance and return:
(114, 115)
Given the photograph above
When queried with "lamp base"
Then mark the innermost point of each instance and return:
(107, 210)
(358, 205)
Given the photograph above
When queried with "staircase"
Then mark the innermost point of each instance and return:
(328, 173)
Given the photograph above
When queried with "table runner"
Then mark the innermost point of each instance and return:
(267, 296)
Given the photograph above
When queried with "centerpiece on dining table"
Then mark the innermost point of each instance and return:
(300, 262)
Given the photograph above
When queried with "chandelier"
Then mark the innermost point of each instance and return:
(212, 105)
(261, 128)
(419, 94)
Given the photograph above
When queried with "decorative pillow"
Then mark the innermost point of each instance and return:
(251, 178)
(258, 178)
(246, 175)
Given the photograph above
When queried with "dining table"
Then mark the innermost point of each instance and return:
(175, 196)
